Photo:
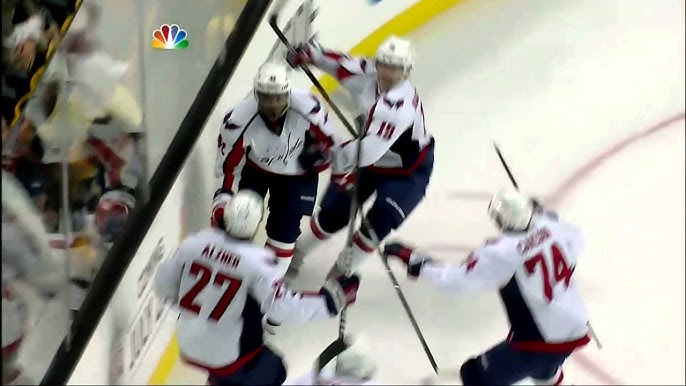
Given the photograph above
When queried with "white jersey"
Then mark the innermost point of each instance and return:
(534, 271)
(246, 137)
(225, 290)
(26, 256)
(396, 140)
(26, 252)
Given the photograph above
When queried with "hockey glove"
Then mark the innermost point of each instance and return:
(413, 260)
(217, 216)
(339, 292)
(314, 156)
(305, 53)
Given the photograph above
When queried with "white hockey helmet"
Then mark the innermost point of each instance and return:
(272, 79)
(243, 214)
(396, 52)
(511, 210)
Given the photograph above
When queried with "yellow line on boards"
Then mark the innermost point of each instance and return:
(402, 24)
(166, 363)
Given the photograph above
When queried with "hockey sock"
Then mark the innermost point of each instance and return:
(283, 251)
(310, 240)
(354, 255)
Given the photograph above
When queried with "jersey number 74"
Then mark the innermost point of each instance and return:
(203, 274)
(561, 272)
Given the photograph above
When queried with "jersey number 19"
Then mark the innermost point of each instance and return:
(203, 274)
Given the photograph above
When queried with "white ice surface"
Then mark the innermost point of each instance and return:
(555, 83)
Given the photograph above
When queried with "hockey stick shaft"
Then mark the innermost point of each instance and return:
(505, 166)
(273, 20)
(400, 294)
(355, 207)
(348, 126)
(330, 352)
(591, 331)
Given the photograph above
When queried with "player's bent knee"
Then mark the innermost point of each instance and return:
(332, 220)
(470, 373)
(383, 219)
(283, 226)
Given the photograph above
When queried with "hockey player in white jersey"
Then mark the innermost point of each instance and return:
(227, 289)
(276, 140)
(397, 151)
(26, 257)
(532, 264)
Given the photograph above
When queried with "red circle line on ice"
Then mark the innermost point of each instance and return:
(557, 196)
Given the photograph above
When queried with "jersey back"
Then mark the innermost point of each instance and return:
(404, 126)
(542, 299)
(216, 301)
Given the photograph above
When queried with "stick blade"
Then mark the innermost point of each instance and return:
(276, 10)
(330, 352)
(273, 19)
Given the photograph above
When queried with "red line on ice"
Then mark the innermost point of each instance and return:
(585, 170)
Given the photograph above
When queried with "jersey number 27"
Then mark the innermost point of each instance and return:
(203, 274)
(561, 272)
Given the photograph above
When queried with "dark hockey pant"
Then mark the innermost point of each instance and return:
(504, 365)
(266, 369)
(396, 198)
(290, 198)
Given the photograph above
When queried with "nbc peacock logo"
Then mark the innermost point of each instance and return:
(169, 37)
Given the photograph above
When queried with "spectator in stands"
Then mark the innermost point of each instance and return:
(26, 162)
(9, 8)
(25, 48)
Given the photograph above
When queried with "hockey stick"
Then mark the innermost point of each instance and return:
(330, 352)
(401, 295)
(273, 19)
(356, 208)
(355, 205)
(516, 186)
(273, 22)
(507, 168)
